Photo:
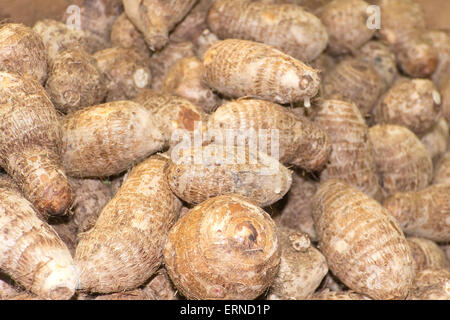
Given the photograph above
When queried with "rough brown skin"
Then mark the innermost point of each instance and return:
(345, 21)
(239, 68)
(445, 95)
(343, 295)
(198, 173)
(437, 139)
(403, 27)
(7, 288)
(156, 18)
(364, 245)
(108, 139)
(185, 79)
(424, 213)
(301, 142)
(163, 60)
(172, 114)
(403, 162)
(382, 59)
(442, 170)
(206, 40)
(192, 26)
(161, 287)
(67, 232)
(75, 81)
(31, 252)
(137, 294)
(287, 27)
(356, 81)
(441, 42)
(31, 141)
(224, 248)
(431, 284)
(126, 72)
(413, 103)
(426, 254)
(302, 267)
(22, 51)
(296, 214)
(352, 159)
(310, 5)
(125, 35)
(125, 246)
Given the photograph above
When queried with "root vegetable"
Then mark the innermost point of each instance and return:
(437, 139)
(442, 170)
(287, 27)
(67, 232)
(343, 295)
(22, 51)
(31, 141)
(403, 162)
(205, 41)
(441, 42)
(352, 158)
(426, 254)
(124, 248)
(108, 139)
(431, 284)
(156, 18)
(224, 248)
(239, 68)
(445, 95)
(192, 26)
(75, 81)
(364, 245)
(161, 287)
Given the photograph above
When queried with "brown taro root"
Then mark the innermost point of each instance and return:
(437, 139)
(403, 162)
(32, 253)
(431, 284)
(364, 245)
(125, 35)
(413, 103)
(302, 267)
(382, 59)
(424, 213)
(442, 170)
(137, 294)
(441, 42)
(346, 23)
(125, 246)
(107, 139)
(224, 248)
(67, 231)
(205, 41)
(403, 29)
(239, 68)
(162, 61)
(125, 72)
(287, 27)
(75, 81)
(7, 289)
(297, 140)
(352, 158)
(22, 51)
(172, 115)
(31, 143)
(296, 213)
(445, 95)
(185, 79)
(355, 81)
(324, 63)
(426, 254)
(342, 295)
(192, 26)
(156, 18)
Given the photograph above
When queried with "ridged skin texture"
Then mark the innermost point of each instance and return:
(343, 295)
(403, 162)
(125, 70)
(172, 114)
(185, 79)
(431, 284)
(382, 59)
(442, 170)
(301, 142)
(437, 139)
(192, 26)
(124, 248)
(107, 139)
(364, 245)
(356, 81)
(403, 30)
(413, 103)
(224, 248)
(31, 252)
(22, 51)
(239, 68)
(424, 213)
(198, 173)
(345, 21)
(31, 143)
(156, 18)
(445, 95)
(7, 288)
(289, 28)
(441, 42)
(75, 81)
(205, 41)
(426, 254)
(352, 158)
(302, 267)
